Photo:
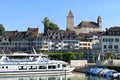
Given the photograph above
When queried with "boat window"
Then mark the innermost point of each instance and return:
(6, 67)
(58, 66)
(22, 67)
(51, 67)
(42, 67)
(64, 65)
(52, 78)
(33, 67)
(2, 67)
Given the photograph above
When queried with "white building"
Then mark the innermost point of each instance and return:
(62, 40)
(110, 40)
(22, 40)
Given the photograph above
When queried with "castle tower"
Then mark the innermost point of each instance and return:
(70, 20)
(99, 21)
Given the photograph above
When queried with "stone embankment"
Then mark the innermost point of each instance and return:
(84, 68)
(88, 66)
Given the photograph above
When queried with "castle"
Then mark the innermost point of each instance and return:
(84, 26)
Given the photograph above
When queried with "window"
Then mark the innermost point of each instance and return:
(105, 47)
(2, 67)
(117, 32)
(64, 65)
(80, 43)
(110, 33)
(51, 67)
(113, 33)
(33, 67)
(89, 44)
(115, 46)
(103, 39)
(116, 39)
(111, 39)
(42, 67)
(110, 46)
(58, 65)
(84, 44)
(22, 67)
(6, 67)
(107, 40)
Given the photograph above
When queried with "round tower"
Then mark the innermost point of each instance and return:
(70, 21)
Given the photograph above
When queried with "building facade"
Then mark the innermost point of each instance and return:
(22, 40)
(110, 40)
(62, 40)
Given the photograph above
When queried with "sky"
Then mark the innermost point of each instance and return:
(21, 14)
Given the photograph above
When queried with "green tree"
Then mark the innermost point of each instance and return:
(110, 55)
(53, 26)
(2, 30)
(79, 55)
(68, 56)
(48, 25)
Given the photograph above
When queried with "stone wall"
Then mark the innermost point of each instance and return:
(109, 63)
(116, 62)
(78, 63)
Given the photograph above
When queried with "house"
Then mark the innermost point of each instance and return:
(110, 40)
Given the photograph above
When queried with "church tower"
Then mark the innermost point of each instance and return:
(70, 21)
(99, 21)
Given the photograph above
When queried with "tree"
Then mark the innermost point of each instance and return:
(68, 56)
(48, 25)
(53, 26)
(2, 30)
(79, 55)
(110, 55)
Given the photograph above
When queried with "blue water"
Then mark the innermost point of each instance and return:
(72, 76)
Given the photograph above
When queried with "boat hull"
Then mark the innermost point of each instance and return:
(35, 72)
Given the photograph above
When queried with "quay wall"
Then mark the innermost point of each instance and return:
(83, 65)
(78, 63)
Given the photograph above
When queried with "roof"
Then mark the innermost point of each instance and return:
(112, 31)
(88, 24)
(70, 14)
(31, 32)
(10, 33)
(61, 34)
(20, 34)
(115, 28)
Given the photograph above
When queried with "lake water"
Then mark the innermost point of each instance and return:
(72, 76)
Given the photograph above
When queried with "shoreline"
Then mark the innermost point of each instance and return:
(83, 69)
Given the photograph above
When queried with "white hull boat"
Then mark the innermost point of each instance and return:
(23, 63)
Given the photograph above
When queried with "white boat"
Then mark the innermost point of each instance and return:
(23, 63)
